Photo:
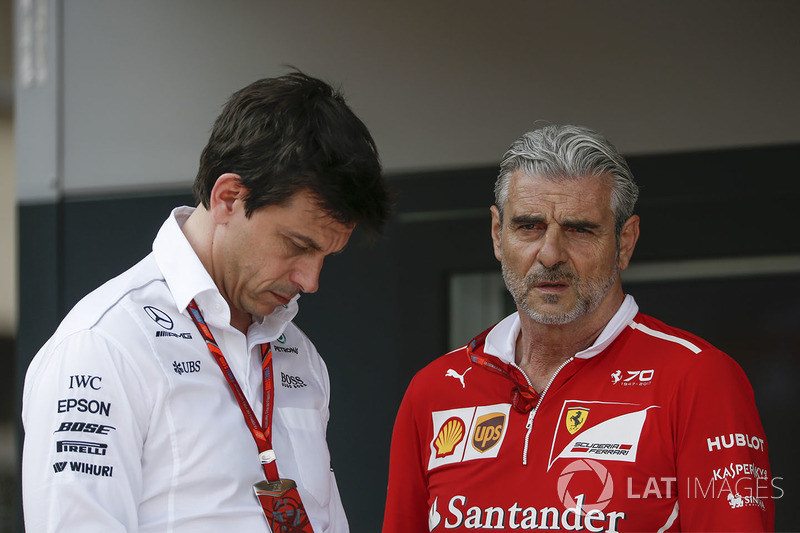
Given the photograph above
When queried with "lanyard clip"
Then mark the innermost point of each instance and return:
(267, 456)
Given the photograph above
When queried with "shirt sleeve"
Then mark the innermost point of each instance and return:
(407, 493)
(84, 422)
(724, 478)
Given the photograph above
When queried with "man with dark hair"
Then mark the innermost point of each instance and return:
(577, 412)
(179, 396)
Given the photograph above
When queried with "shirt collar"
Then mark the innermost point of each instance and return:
(188, 279)
(502, 340)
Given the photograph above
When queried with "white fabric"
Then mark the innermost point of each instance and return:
(161, 444)
(502, 340)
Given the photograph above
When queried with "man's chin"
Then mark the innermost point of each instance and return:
(262, 309)
(551, 314)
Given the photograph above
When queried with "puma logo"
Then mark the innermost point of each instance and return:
(460, 377)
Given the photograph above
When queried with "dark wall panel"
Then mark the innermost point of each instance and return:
(39, 296)
(723, 203)
(103, 237)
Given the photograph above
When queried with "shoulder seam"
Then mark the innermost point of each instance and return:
(665, 336)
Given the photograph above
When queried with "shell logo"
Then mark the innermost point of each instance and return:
(451, 433)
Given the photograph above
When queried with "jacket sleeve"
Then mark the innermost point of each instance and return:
(81, 464)
(724, 478)
(407, 494)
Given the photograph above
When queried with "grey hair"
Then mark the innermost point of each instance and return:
(569, 152)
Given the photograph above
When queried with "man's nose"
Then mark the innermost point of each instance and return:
(552, 251)
(305, 273)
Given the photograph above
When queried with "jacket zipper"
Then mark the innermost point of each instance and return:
(529, 424)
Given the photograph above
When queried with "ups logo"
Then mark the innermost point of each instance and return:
(488, 430)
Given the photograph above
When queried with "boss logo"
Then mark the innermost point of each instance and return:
(292, 382)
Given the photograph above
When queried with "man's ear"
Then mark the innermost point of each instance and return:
(224, 195)
(627, 241)
(497, 227)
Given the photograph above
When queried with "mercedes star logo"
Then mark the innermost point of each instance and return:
(159, 317)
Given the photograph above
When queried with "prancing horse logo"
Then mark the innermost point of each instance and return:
(576, 418)
(159, 317)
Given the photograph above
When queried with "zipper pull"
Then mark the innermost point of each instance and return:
(529, 425)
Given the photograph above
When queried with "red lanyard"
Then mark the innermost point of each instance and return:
(523, 396)
(261, 434)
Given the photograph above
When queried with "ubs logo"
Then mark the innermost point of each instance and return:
(158, 316)
(186, 367)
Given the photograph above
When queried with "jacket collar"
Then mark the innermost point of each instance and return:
(188, 279)
(501, 340)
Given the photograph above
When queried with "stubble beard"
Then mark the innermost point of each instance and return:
(589, 293)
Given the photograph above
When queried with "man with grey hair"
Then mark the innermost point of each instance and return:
(578, 412)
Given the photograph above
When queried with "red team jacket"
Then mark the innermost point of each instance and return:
(651, 429)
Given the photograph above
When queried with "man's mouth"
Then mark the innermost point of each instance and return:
(283, 300)
(552, 284)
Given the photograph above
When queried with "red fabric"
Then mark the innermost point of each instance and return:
(645, 436)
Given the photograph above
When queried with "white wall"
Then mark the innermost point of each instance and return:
(440, 84)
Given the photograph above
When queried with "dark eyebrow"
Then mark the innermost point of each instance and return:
(580, 224)
(308, 241)
(311, 243)
(522, 220)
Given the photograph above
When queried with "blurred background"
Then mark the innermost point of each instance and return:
(8, 278)
(105, 106)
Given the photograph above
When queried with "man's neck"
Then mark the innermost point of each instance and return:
(541, 349)
(199, 231)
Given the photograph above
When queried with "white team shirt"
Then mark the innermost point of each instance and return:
(131, 426)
